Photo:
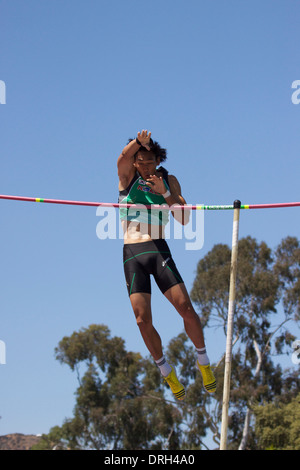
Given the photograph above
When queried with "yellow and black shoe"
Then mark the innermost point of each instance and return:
(176, 387)
(209, 381)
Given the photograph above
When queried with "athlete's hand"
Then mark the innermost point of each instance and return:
(144, 138)
(157, 184)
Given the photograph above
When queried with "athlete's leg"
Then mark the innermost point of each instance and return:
(141, 304)
(179, 298)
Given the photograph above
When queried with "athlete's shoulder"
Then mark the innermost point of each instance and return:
(173, 179)
(174, 184)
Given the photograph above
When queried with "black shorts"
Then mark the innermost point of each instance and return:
(146, 258)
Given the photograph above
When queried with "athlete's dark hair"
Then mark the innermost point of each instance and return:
(155, 148)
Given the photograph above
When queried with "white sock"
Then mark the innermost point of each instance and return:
(164, 367)
(202, 357)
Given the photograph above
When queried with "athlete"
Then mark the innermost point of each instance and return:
(142, 181)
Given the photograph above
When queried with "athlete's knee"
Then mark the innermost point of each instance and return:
(144, 324)
(185, 308)
(143, 320)
(142, 316)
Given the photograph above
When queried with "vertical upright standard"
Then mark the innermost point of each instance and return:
(231, 304)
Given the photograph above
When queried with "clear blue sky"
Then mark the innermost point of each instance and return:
(211, 80)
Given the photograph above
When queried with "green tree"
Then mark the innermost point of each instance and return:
(287, 267)
(119, 401)
(263, 279)
(277, 425)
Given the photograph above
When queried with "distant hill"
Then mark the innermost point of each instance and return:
(18, 441)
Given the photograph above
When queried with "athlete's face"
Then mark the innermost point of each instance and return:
(146, 163)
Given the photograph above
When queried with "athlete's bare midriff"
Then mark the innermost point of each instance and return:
(135, 232)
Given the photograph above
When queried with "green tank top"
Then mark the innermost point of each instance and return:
(138, 192)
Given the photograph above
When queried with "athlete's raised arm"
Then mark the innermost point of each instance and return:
(125, 161)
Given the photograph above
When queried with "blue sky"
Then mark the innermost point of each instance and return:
(211, 80)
